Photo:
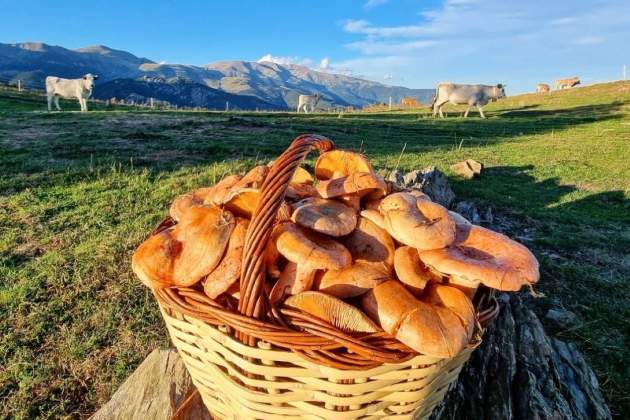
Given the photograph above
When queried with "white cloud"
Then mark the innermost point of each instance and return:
(371, 4)
(324, 65)
(269, 58)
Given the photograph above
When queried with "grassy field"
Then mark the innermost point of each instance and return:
(78, 192)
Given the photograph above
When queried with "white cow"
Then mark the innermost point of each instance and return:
(70, 88)
(306, 101)
(471, 95)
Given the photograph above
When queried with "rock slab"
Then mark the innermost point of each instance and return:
(430, 181)
(156, 390)
(468, 168)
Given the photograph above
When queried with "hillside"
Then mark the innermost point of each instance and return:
(275, 84)
(79, 192)
(177, 92)
(33, 61)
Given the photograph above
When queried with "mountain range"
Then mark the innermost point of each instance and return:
(244, 84)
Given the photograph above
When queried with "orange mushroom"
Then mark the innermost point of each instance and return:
(332, 310)
(208, 195)
(325, 216)
(366, 184)
(421, 224)
(340, 163)
(455, 300)
(486, 257)
(410, 270)
(310, 251)
(182, 255)
(242, 201)
(353, 280)
(228, 271)
(370, 243)
(374, 216)
(302, 176)
(431, 330)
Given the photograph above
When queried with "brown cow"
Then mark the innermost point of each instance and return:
(542, 88)
(567, 83)
(409, 102)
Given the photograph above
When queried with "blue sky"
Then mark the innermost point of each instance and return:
(404, 42)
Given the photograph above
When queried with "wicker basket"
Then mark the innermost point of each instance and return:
(252, 360)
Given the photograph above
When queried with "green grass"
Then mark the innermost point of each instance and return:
(78, 192)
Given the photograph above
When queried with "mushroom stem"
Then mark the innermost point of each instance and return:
(294, 279)
(469, 291)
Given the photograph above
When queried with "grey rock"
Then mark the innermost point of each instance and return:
(155, 390)
(562, 318)
(469, 211)
(488, 216)
(430, 181)
(519, 372)
(397, 177)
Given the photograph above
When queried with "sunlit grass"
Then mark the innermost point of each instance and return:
(78, 192)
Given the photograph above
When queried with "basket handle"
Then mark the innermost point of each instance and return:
(271, 197)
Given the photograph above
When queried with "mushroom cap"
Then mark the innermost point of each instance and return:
(192, 198)
(181, 256)
(455, 300)
(487, 257)
(302, 176)
(421, 224)
(229, 269)
(242, 201)
(221, 189)
(419, 195)
(410, 270)
(374, 216)
(254, 178)
(332, 310)
(325, 216)
(370, 243)
(353, 280)
(433, 331)
(367, 184)
(388, 304)
(310, 249)
(207, 195)
(291, 282)
(301, 191)
(339, 163)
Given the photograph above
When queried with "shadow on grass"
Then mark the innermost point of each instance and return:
(582, 246)
(514, 187)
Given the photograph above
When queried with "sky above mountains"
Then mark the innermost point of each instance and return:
(403, 42)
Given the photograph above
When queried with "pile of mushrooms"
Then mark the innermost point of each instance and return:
(348, 248)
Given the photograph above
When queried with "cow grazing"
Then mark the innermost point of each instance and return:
(306, 101)
(567, 83)
(542, 88)
(471, 95)
(70, 88)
